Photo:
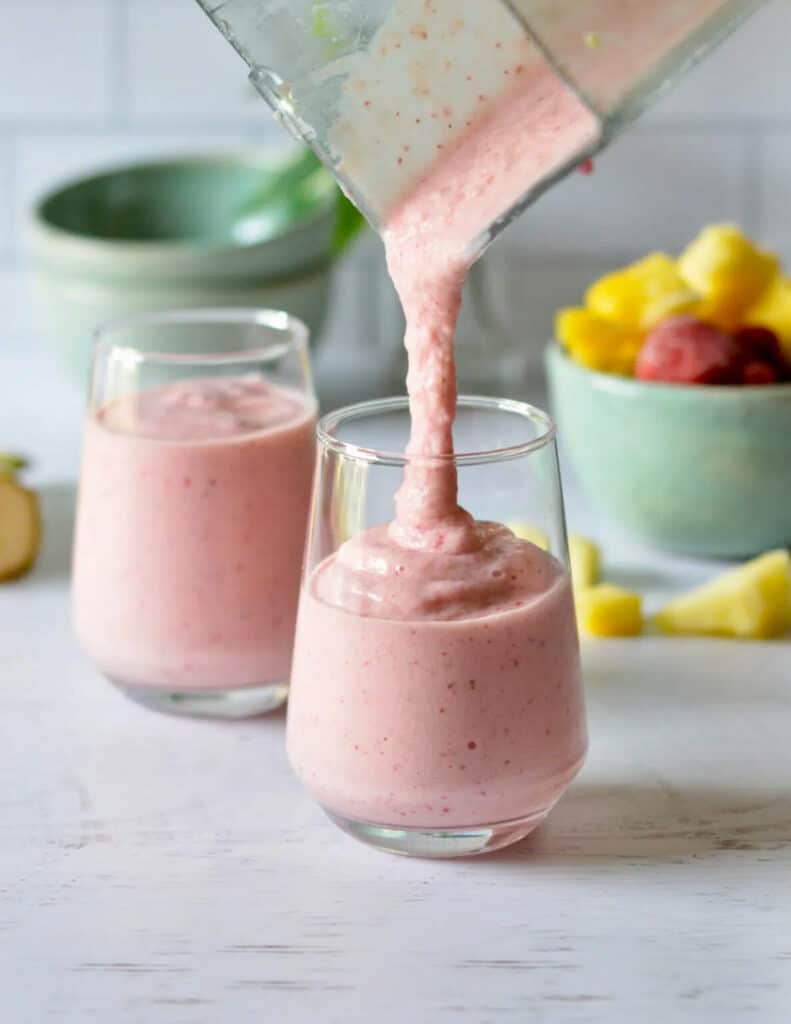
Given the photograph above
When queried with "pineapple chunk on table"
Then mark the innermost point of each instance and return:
(642, 294)
(729, 272)
(751, 602)
(607, 610)
(585, 560)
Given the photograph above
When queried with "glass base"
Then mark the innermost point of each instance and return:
(244, 702)
(436, 842)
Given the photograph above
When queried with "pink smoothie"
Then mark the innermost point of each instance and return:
(192, 511)
(461, 706)
(436, 679)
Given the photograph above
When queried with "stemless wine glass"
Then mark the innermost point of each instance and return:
(427, 734)
(197, 462)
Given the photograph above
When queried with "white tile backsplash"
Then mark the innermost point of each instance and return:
(773, 191)
(180, 67)
(56, 61)
(18, 323)
(748, 78)
(652, 189)
(6, 203)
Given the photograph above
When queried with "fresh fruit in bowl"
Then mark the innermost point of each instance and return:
(719, 315)
(20, 520)
(671, 388)
(685, 350)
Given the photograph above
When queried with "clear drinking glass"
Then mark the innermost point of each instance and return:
(198, 454)
(428, 735)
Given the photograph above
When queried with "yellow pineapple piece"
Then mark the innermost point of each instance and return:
(752, 602)
(597, 343)
(729, 271)
(642, 294)
(530, 532)
(607, 610)
(585, 561)
(773, 310)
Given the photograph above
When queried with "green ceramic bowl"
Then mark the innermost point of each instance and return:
(699, 470)
(177, 234)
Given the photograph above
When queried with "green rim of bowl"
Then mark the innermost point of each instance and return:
(40, 217)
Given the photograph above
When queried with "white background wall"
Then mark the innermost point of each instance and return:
(88, 82)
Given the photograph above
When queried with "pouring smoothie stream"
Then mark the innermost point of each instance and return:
(452, 615)
(436, 705)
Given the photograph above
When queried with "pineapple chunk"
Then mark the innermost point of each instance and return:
(751, 602)
(642, 294)
(20, 528)
(607, 610)
(773, 310)
(527, 531)
(585, 561)
(729, 271)
(597, 343)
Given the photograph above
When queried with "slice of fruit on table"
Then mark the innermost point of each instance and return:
(608, 610)
(585, 559)
(752, 602)
(603, 609)
(20, 521)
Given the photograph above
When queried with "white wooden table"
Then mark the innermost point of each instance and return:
(169, 871)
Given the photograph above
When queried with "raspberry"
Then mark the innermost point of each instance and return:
(762, 345)
(757, 371)
(685, 350)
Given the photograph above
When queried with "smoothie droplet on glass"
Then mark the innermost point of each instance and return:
(197, 461)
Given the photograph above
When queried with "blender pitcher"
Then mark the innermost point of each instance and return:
(382, 89)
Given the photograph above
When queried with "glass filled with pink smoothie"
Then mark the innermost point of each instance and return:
(436, 707)
(198, 454)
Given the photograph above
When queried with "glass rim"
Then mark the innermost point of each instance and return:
(330, 422)
(295, 335)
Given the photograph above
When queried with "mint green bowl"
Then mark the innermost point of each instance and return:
(698, 470)
(178, 233)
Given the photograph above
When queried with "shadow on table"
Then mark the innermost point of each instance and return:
(661, 815)
(660, 822)
(57, 512)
